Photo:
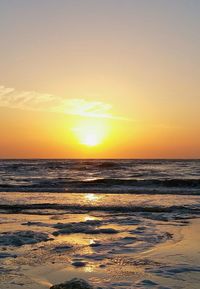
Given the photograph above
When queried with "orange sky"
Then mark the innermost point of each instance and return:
(107, 79)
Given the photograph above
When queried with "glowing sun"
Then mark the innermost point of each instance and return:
(90, 133)
(90, 139)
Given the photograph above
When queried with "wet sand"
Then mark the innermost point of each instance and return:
(180, 260)
(174, 264)
(109, 249)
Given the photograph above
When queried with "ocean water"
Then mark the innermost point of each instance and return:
(119, 176)
(116, 223)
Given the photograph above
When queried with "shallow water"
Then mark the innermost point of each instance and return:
(112, 240)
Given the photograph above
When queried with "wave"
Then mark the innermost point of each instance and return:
(102, 176)
(125, 182)
(108, 185)
(19, 208)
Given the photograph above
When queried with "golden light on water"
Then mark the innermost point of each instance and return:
(89, 268)
(92, 197)
(89, 218)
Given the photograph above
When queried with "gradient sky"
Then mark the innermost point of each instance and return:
(131, 68)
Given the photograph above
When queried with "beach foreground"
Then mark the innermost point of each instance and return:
(110, 240)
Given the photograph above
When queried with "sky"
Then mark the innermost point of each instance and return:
(99, 79)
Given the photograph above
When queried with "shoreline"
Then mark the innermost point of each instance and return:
(117, 249)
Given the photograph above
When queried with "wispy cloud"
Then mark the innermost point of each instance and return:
(31, 100)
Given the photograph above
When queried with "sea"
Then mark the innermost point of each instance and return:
(117, 223)
(106, 176)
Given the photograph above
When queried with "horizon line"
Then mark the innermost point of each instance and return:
(156, 158)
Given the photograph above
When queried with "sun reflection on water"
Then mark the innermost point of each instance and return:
(92, 241)
(92, 197)
(89, 218)
(89, 268)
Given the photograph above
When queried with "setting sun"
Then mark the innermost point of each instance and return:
(90, 139)
(91, 132)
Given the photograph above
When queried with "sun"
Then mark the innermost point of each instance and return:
(90, 133)
(90, 139)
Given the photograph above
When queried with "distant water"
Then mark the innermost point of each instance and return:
(105, 176)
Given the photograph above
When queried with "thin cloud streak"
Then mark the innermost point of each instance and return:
(31, 100)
